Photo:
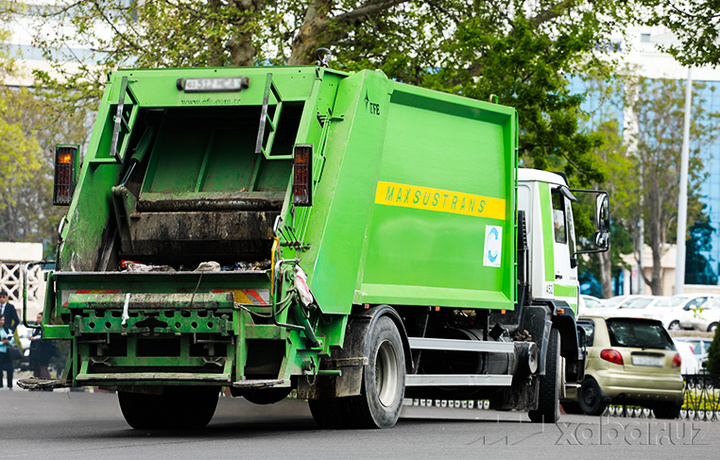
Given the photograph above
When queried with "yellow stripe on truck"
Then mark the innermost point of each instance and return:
(435, 199)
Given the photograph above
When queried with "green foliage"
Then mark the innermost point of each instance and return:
(518, 50)
(696, 24)
(713, 362)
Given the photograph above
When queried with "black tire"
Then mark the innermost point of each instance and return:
(712, 327)
(667, 411)
(571, 407)
(674, 325)
(265, 396)
(590, 397)
(330, 414)
(548, 409)
(383, 383)
(176, 408)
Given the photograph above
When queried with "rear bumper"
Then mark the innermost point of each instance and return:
(619, 385)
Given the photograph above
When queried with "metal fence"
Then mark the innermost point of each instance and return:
(702, 401)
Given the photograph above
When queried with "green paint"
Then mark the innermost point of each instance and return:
(547, 230)
(565, 291)
(192, 149)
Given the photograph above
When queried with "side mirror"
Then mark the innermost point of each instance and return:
(602, 240)
(602, 212)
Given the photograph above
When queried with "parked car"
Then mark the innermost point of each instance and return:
(24, 334)
(690, 364)
(629, 361)
(682, 306)
(614, 305)
(700, 346)
(704, 317)
(592, 301)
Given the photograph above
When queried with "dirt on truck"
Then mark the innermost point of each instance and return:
(349, 237)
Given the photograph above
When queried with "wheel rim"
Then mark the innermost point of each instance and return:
(590, 397)
(674, 326)
(386, 374)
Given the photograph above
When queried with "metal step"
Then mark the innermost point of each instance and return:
(459, 380)
(420, 343)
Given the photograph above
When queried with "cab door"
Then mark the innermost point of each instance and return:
(565, 283)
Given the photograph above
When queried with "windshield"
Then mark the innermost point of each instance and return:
(614, 301)
(639, 303)
(677, 300)
(637, 333)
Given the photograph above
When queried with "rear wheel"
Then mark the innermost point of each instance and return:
(712, 327)
(549, 394)
(590, 397)
(174, 408)
(674, 325)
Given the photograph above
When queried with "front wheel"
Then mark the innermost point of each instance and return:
(674, 326)
(174, 408)
(712, 327)
(549, 394)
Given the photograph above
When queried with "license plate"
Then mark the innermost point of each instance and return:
(651, 361)
(213, 85)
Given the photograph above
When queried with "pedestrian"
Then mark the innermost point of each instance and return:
(40, 351)
(6, 364)
(7, 311)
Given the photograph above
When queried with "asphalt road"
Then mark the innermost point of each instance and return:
(74, 425)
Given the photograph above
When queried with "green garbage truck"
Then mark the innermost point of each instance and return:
(346, 237)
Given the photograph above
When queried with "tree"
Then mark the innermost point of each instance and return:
(696, 25)
(518, 50)
(713, 362)
(19, 153)
(657, 106)
(26, 210)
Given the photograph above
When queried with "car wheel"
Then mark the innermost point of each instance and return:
(674, 326)
(591, 398)
(712, 327)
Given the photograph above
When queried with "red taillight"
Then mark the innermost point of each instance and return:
(612, 356)
(302, 175)
(677, 360)
(65, 164)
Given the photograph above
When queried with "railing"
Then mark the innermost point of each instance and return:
(702, 400)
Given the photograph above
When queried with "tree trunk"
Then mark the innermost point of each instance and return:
(605, 274)
(242, 51)
(313, 32)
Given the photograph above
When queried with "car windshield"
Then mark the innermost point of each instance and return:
(639, 303)
(614, 301)
(678, 300)
(662, 302)
(635, 333)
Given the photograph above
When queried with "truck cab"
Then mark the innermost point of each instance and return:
(547, 203)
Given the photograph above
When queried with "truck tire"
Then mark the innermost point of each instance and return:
(548, 409)
(590, 397)
(175, 408)
(383, 383)
(330, 414)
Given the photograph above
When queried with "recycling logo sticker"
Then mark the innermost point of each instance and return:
(493, 246)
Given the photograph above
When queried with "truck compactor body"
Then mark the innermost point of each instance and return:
(349, 237)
